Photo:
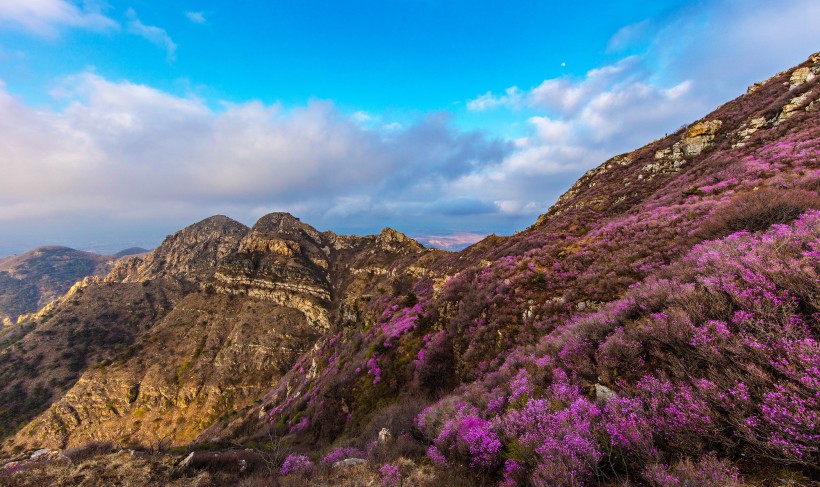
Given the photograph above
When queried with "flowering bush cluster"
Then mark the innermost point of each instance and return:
(707, 472)
(389, 475)
(734, 336)
(464, 435)
(296, 464)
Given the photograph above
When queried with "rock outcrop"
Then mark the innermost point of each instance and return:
(191, 253)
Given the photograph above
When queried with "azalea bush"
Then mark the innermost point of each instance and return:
(296, 464)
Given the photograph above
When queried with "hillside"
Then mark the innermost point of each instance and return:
(589, 303)
(33, 279)
(657, 326)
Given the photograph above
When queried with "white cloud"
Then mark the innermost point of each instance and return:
(726, 45)
(123, 150)
(44, 17)
(454, 241)
(581, 123)
(630, 35)
(196, 17)
(153, 34)
(512, 97)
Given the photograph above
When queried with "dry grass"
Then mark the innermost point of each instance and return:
(215, 469)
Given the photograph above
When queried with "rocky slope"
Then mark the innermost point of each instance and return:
(657, 326)
(243, 305)
(31, 280)
(42, 358)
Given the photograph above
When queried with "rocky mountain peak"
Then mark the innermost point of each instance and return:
(284, 225)
(283, 234)
(217, 224)
(395, 241)
(192, 251)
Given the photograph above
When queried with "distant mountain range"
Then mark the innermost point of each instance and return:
(35, 278)
(657, 326)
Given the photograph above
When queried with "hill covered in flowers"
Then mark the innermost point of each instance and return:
(658, 325)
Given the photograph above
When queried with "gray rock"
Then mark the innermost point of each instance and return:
(39, 453)
(349, 462)
(603, 394)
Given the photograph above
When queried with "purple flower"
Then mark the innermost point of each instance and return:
(296, 464)
(389, 475)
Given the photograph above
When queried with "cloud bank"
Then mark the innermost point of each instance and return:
(134, 152)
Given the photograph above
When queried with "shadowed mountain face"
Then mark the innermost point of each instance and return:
(31, 280)
(665, 308)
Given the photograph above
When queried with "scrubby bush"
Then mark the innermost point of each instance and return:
(229, 461)
(709, 471)
(340, 454)
(758, 210)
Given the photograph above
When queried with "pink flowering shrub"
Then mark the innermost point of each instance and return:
(435, 455)
(709, 471)
(465, 435)
(629, 429)
(730, 330)
(296, 464)
(514, 473)
(561, 444)
(389, 475)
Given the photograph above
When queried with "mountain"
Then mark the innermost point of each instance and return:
(239, 306)
(33, 279)
(657, 326)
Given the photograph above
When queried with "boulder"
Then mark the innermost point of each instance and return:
(603, 394)
(349, 462)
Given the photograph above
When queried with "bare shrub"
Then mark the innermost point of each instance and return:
(758, 210)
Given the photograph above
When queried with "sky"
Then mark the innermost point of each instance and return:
(122, 121)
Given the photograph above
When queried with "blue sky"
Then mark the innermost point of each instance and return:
(122, 121)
